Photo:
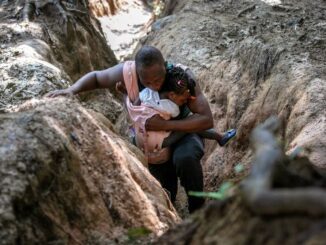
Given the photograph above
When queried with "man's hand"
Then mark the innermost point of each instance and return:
(61, 92)
(120, 87)
(155, 123)
(93, 80)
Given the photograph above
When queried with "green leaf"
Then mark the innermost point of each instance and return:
(225, 187)
(137, 232)
(239, 168)
(215, 195)
(220, 195)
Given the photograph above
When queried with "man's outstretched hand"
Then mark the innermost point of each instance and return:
(61, 92)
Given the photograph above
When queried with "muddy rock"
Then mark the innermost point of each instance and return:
(47, 46)
(28, 71)
(65, 167)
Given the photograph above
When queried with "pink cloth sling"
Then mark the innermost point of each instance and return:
(150, 142)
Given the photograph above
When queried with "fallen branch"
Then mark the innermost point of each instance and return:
(32, 7)
(284, 8)
(258, 190)
(246, 10)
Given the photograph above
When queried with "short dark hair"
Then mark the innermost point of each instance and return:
(178, 81)
(148, 56)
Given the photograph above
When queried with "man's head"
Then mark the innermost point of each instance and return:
(150, 67)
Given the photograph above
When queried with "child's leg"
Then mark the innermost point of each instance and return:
(227, 136)
(172, 138)
(210, 134)
(221, 139)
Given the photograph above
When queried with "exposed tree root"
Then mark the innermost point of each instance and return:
(268, 167)
(246, 10)
(32, 8)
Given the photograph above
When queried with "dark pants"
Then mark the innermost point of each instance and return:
(185, 164)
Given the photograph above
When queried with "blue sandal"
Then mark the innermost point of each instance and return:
(227, 137)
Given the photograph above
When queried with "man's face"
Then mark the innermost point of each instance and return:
(153, 76)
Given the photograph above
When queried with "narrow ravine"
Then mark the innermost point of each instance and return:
(68, 174)
(125, 29)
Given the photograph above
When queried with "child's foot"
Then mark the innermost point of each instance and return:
(227, 137)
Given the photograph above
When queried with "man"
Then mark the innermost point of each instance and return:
(185, 161)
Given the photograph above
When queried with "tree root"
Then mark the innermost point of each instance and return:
(246, 10)
(268, 165)
(32, 8)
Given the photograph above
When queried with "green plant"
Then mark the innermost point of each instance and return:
(221, 194)
(137, 232)
(239, 168)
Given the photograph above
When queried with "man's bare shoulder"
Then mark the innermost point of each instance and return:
(109, 77)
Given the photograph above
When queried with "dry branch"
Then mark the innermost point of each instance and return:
(258, 190)
(246, 10)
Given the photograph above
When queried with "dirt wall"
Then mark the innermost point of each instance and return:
(252, 60)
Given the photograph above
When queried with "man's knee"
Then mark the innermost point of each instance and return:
(185, 162)
(188, 153)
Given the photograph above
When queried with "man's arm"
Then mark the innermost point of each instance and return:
(93, 80)
(202, 118)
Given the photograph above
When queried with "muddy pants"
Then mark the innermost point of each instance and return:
(185, 164)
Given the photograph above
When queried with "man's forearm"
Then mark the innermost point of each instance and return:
(85, 83)
(193, 123)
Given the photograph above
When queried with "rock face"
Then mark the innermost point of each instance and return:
(66, 176)
(253, 59)
(46, 46)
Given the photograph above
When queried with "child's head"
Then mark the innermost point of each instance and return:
(178, 86)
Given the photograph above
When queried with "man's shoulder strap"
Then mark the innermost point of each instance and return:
(130, 79)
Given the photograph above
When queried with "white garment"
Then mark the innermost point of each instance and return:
(152, 99)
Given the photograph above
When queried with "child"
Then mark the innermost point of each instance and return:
(177, 90)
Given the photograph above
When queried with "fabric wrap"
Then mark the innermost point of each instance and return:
(149, 142)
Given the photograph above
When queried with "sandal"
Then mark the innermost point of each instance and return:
(227, 137)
